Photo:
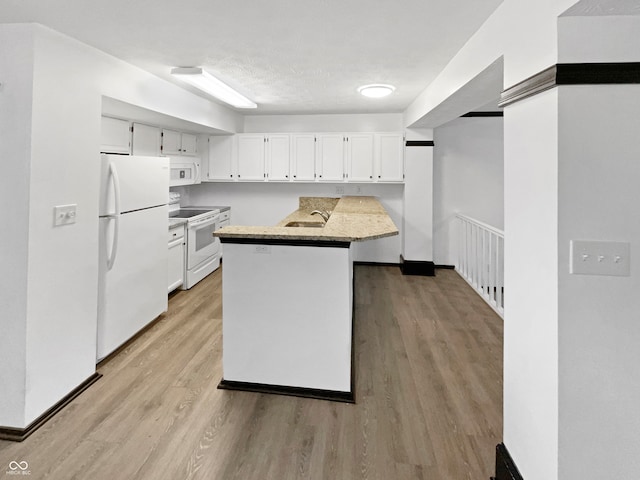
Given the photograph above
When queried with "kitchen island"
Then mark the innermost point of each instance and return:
(288, 298)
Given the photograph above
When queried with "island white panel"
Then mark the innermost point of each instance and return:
(287, 315)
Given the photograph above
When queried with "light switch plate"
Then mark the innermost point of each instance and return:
(64, 214)
(600, 258)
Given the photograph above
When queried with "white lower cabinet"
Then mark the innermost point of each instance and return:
(175, 268)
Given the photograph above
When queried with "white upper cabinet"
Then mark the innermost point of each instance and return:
(389, 157)
(147, 140)
(189, 144)
(277, 157)
(251, 148)
(171, 142)
(221, 158)
(303, 157)
(307, 157)
(330, 157)
(359, 157)
(178, 143)
(115, 136)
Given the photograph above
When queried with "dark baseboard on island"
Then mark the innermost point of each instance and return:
(332, 395)
(19, 434)
(287, 242)
(505, 466)
(413, 267)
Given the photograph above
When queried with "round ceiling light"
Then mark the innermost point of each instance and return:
(376, 90)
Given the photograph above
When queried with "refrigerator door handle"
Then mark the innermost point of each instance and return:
(114, 248)
(113, 174)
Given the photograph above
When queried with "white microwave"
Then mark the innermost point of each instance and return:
(183, 171)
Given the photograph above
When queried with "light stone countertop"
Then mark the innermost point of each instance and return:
(353, 219)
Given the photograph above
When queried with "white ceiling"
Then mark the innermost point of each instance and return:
(289, 56)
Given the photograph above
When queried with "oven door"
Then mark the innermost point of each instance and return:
(201, 244)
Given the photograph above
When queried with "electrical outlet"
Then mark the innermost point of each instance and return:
(262, 249)
(64, 214)
(600, 258)
(340, 190)
(359, 190)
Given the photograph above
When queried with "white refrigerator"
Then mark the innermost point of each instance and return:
(133, 260)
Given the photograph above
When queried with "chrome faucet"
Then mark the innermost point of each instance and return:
(324, 214)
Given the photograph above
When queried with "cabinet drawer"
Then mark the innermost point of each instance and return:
(175, 233)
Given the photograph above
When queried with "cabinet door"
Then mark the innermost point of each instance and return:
(171, 142)
(359, 148)
(115, 136)
(221, 158)
(175, 268)
(251, 157)
(389, 151)
(146, 140)
(189, 144)
(278, 154)
(303, 157)
(330, 157)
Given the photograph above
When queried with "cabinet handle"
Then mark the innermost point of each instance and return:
(231, 175)
(379, 176)
(370, 176)
(286, 176)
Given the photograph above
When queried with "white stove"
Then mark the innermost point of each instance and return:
(203, 249)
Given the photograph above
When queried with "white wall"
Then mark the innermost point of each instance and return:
(524, 32)
(531, 285)
(69, 81)
(268, 203)
(417, 216)
(389, 122)
(16, 65)
(599, 327)
(468, 178)
(599, 39)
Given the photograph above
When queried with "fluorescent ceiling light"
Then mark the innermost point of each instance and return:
(376, 90)
(206, 82)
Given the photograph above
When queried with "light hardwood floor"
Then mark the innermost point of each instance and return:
(428, 398)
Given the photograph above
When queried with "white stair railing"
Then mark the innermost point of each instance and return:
(481, 260)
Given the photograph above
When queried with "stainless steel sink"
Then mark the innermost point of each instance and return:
(305, 224)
